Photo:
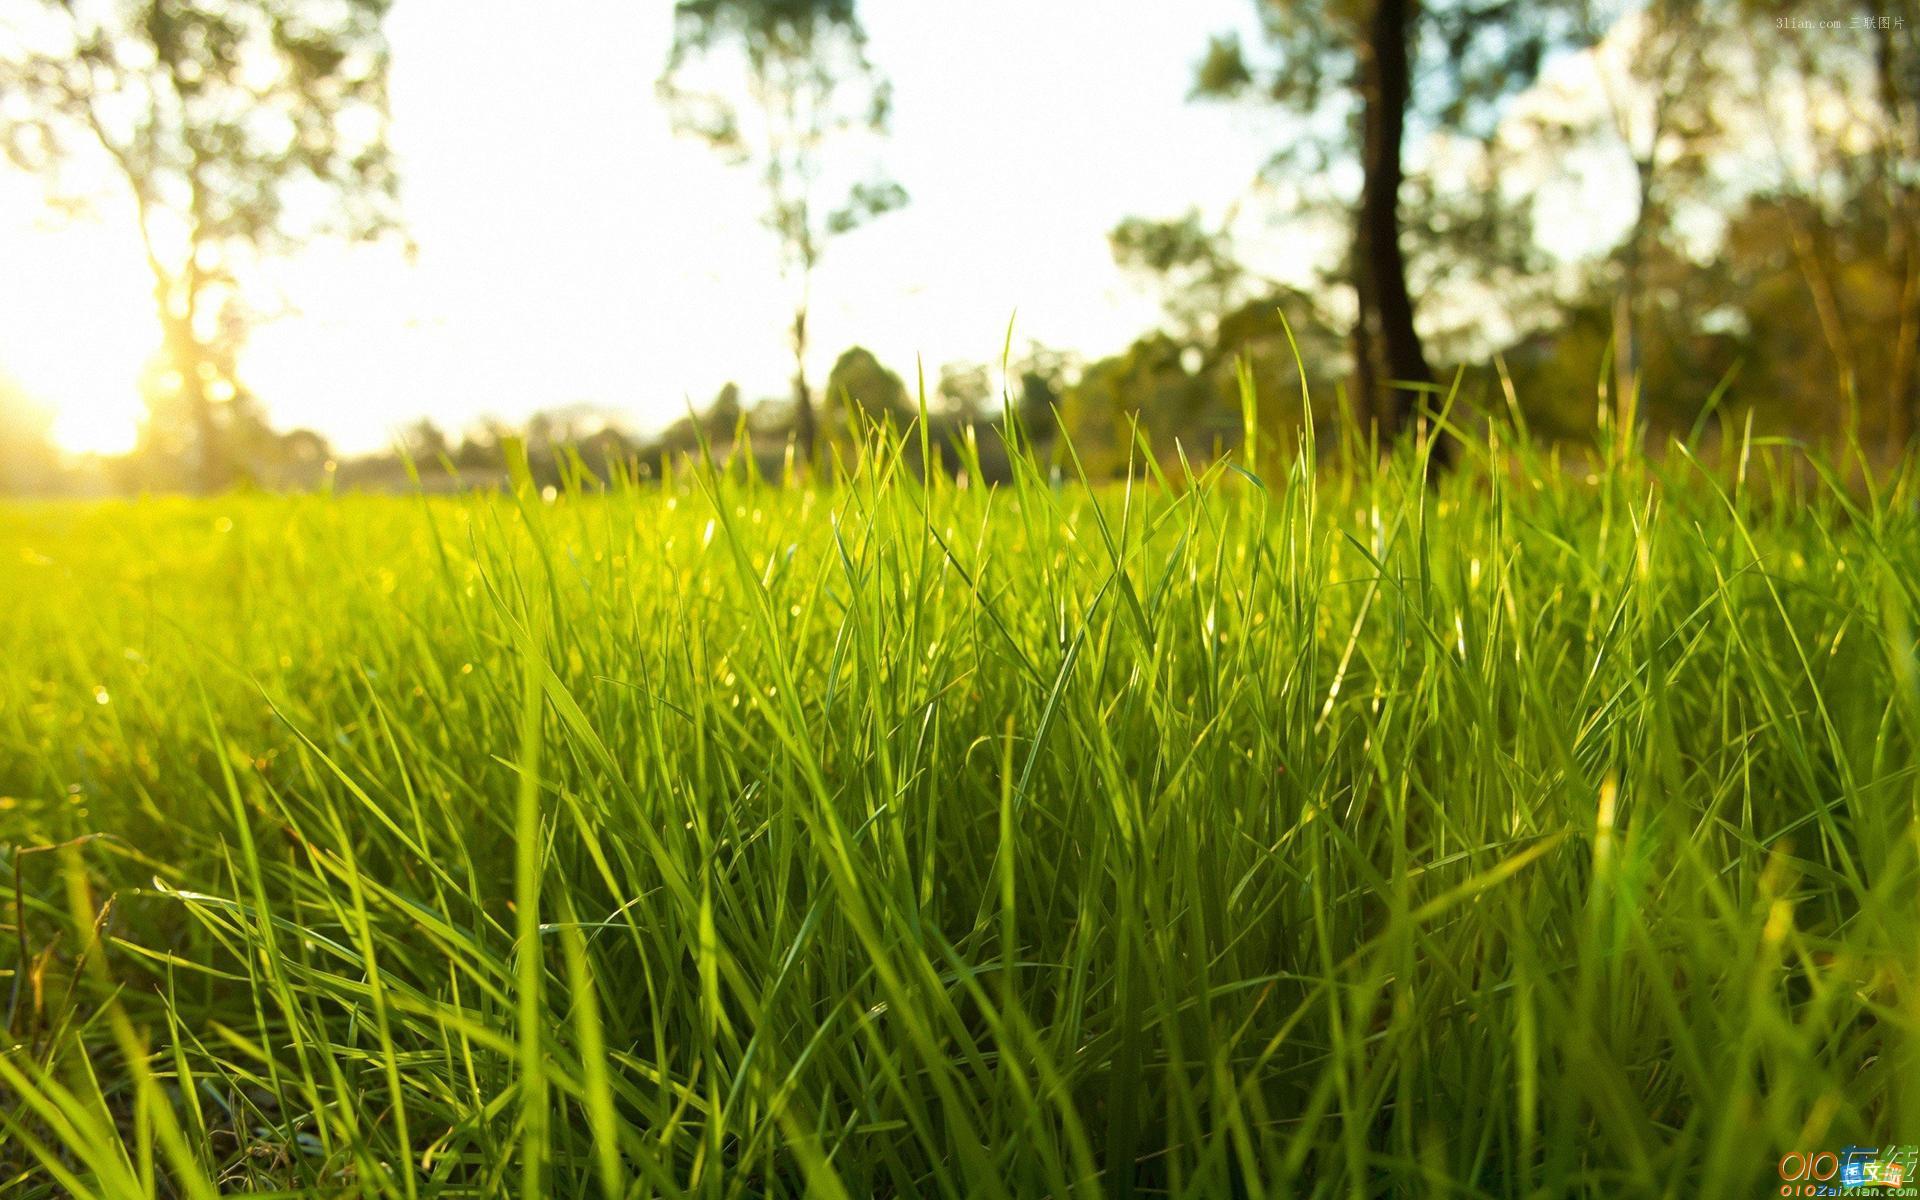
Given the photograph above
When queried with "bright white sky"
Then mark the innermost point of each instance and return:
(571, 250)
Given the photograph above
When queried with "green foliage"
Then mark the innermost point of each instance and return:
(1195, 267)
(1749, 318)
(1162, 247)
(860, 384)
(1187, 391)
(1149, 384)
(1473, 57)
(214, 112)
(1255, 338)
(1292, 835)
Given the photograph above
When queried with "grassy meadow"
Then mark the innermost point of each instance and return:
(1290, 833)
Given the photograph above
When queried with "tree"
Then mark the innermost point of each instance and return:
(723, 415)
(964, 389)
(234, 127)
(807, 83)
(1808, 359)
(1036, 385)
(1347, 69)
(425, 443)
(1658, 92)
(1804, 148)
(195, 398)
(1258, 341)
(1149, 383)
(1844, 124)
(717, 425)
(1196, 268)
(860, 383)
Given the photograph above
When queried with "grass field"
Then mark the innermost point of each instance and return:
(1537, 834)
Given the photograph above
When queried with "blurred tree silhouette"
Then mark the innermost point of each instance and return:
(1800, 151)
(1037, 383)
(1749, 310)
(234, 127)
(1195, 266)
(1149, 382)
(859, 384)
(770, 84)
(1659, 90)
(1766, 199)
(726, 408)
(1254, 338)
(964, 390)
(717, 425)
(425, 443)
(1356, 72)
(195, 398)
(1847, 195)
(1799, 356)
(1188, 390)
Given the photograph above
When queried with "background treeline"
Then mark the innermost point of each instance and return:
(1762, 160)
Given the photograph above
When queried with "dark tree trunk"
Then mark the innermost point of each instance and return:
(211, 450)
(207, 468)
(1386, 338)
(1901, 117)
(1364, 341)
(803, 422)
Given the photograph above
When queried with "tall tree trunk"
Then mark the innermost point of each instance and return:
(1814, 254)
(803, 422)
(209, 446)
(1903, 401)
(1388, 336)
(1364, 402)
(207, 468)
(1359, 411)
(1900, 144)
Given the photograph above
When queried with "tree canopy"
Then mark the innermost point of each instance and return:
(231, 128)
(777, 87)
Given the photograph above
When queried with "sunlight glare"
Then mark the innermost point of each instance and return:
(76, 324)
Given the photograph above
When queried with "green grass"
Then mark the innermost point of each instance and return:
(1537, 834)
